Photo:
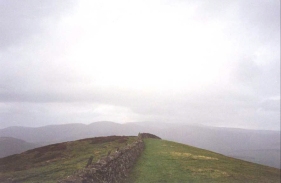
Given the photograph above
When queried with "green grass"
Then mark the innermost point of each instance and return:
(51, 163)
(164, 161)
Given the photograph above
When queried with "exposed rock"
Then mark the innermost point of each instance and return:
(90, 161)
(148, 135)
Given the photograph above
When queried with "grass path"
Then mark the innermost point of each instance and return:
(164, 161)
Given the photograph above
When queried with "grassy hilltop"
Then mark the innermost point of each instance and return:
(167, 162)
(161, 161)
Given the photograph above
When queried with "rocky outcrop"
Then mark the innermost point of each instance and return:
(111, 169)
(148, 135)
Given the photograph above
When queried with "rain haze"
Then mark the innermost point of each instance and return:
(214, 63)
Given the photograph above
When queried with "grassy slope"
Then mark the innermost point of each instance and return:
(164, 161)
(53, 162)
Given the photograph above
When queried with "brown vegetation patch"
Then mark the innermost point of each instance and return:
(200, 157)
(8, 159)
(214, 173)
(123, 140)
(54, 147)
(48, 157)
(100, 140)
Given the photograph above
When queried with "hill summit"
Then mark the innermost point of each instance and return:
(130, 159)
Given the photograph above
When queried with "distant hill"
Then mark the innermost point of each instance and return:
(67, 132)
(9, 146)
(257, 146)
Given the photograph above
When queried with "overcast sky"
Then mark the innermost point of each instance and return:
(204, 62)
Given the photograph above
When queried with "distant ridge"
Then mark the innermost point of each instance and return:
(10, 145)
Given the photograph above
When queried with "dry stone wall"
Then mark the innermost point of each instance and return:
(111, 169)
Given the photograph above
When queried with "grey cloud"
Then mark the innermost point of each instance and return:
(21, 19)
(224, 108)
(220, 106)
(261, 15)
(248, 71)
(270, 82)
(271, 105)
(263, 80)
(37, 114)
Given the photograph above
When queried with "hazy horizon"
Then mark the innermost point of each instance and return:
(190, 62)
(148, 123)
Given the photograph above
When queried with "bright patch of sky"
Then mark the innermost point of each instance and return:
(214, 63)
